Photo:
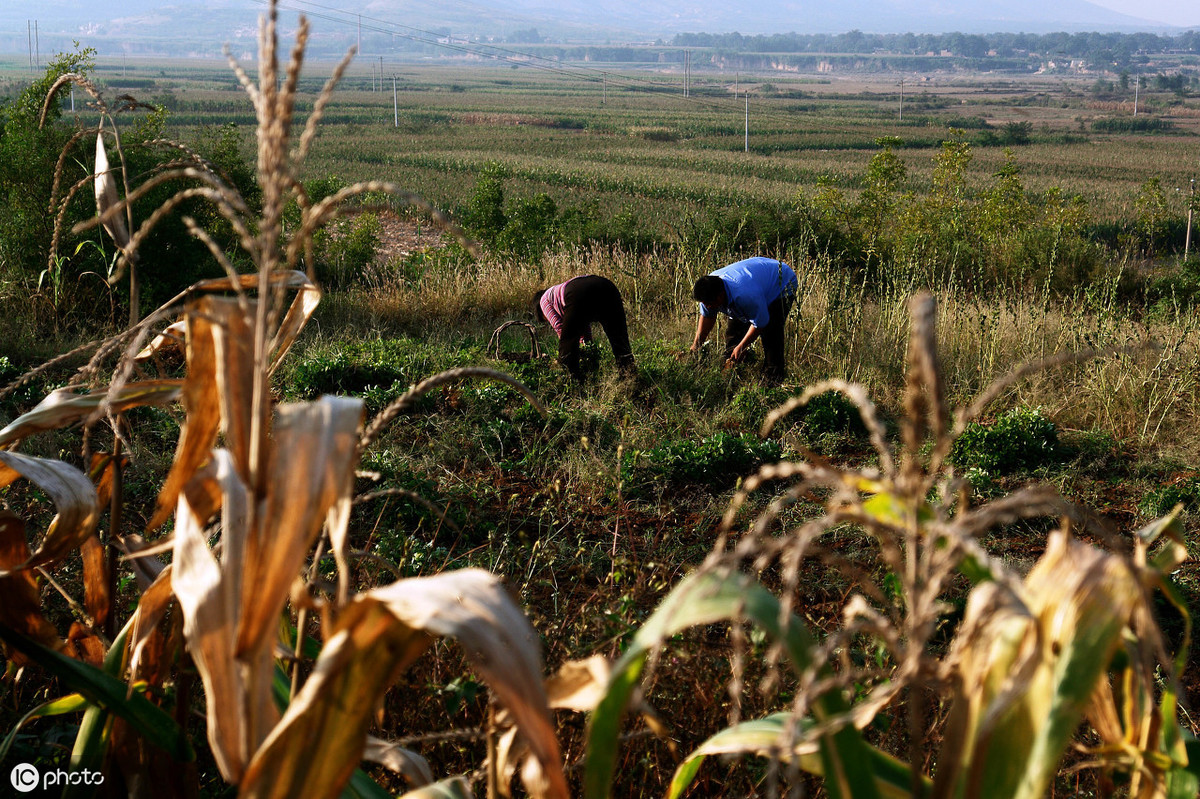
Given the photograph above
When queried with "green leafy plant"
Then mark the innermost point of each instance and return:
(1021, 439)
(1031, 657)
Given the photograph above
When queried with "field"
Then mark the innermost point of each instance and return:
(593, 508)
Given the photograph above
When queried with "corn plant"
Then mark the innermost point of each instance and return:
(253, 489)
(1074, 640)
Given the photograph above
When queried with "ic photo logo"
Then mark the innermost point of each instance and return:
(25, 777)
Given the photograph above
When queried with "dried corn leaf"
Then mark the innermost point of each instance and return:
(150, 610)
(106, 194)
(1030, 687)
(319, 743)
(20, 600)
(202, 420)
(146, 568)
(404, 762)
(579, 685)
(73, 495)
(233, 342)
(314, 457)
(298, 314)
(473, 607)
(210, 627)
(96, 597)
(173, 337)
(86, 645)
(63, 408)
(102, 471)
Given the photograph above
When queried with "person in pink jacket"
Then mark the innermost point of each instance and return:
(573, 306)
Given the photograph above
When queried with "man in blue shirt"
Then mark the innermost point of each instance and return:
(756, 294)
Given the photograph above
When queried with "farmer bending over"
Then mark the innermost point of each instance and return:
(571, 308)
(756, 294)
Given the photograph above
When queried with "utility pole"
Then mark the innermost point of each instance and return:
(902, 99)
(736, 75)
(1136, 79)
(747, 121)
(29, 41)
(360, 33)
(687, 66)
(395, 104)
(604, 98)
(381, 74)
(37, 46)
(1187, 241)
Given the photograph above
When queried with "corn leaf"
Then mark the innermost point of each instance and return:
(316, 454)
(766, 737)
(63, 408)
(108, 693)
(198, 432)
(318, 744)
(704, 598)
(209, 600)
(405, 762)
(74, 497)
(1077, 600)
(71, 703)
(20, 600)
(106, 194)
(472, 607)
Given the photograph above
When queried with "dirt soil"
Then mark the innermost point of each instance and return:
(403, 236)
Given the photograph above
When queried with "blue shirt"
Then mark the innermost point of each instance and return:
(750, 286)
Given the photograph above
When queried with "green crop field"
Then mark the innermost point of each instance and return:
(954, 550)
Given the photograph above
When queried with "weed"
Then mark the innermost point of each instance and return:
(1020, 440)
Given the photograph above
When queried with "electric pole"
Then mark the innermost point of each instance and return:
(747, 121)
(902, 99)
(1187, 241)
(1136, 79)
(395, 104)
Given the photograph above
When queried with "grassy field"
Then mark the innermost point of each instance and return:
(594, 510)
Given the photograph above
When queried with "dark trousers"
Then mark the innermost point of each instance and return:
(586, 300)
(774, 366)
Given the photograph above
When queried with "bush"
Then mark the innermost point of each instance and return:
(832, 414)
(716, 462)
(345, 252)
(1020, 440)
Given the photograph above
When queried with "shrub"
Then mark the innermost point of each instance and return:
(715, 462)
(1020, 440)
(831, 414)
(345, 252)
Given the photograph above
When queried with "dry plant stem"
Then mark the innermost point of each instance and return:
(80, 613)
(115, 508)
(62, 161)
(78, 80)
(302, 619)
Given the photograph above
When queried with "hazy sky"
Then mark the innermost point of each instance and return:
(1185, 13)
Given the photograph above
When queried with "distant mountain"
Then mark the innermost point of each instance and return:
(176, 27)
(658, 17)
